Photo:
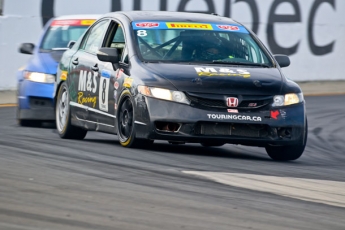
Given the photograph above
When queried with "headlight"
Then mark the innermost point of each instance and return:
(287, 99)
(164, 94)
(39, 77)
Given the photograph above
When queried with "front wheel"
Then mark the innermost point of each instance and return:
(288, 153)
(125, 123)
(63, 116)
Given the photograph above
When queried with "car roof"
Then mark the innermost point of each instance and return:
(171, 16)
(78, 16)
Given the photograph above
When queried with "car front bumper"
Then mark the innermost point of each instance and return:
(35, 101)
(276, 126)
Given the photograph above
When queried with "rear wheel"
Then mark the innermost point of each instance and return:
(288, 153)
(63, 117)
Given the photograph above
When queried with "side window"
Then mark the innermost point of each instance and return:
(95, 37)
(118, 41)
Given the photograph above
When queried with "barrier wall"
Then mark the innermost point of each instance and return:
(311, 32)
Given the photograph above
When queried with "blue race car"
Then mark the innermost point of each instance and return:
(36, 80)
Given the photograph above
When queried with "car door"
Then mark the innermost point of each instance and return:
(85, 73)
(110, 75)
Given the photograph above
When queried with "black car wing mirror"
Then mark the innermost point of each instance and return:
(71, 44)
(283, 60)
(108, 55)
(27, 48)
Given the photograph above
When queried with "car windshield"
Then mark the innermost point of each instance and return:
(198, 42)
(61, 32)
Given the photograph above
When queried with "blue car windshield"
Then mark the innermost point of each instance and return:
(198, 42)
(61, 32)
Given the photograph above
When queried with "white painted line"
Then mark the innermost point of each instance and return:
(318, 191)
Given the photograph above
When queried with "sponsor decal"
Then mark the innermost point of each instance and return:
(275, 114)
(88, 22)
(128, 82)
(232, 111)
(252, 104)
(228, 27)
(87, 81)
(283, 113)
(119, 73)
(147, 24)
(116, 85)
(234, 117)
(209, 72)
(73, 22)
(63, 75)
(86, 99)
(115, 94)
(163, 25)
(183, 25)
(104, 90)
(232, 101)
(115, 106)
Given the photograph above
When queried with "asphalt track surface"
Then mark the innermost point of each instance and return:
(50, 183)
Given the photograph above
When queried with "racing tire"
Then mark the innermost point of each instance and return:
(63, 116)
(288, 153)
(125, 123)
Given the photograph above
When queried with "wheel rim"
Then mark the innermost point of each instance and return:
(126, 120)
(62, 110)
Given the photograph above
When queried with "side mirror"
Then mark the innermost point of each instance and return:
(27, 48)
(282, 60)
(108, 55)
(71, 44)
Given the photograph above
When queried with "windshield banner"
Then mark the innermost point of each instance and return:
(146, 25)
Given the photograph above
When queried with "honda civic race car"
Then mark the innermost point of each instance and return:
(36, 79)
(179, 77)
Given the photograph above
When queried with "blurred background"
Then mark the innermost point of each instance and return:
(311, 32)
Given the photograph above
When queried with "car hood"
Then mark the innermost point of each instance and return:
(220, 79)
(44, 62)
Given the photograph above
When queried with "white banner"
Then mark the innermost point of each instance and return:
(311, 32)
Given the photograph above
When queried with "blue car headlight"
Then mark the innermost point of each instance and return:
(39, 77)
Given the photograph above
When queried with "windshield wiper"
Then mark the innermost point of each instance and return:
(240, 63)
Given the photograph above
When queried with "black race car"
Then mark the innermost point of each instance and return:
(180, 77)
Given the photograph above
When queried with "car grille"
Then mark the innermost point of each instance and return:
(230, 129)
(245, 103)
(39, 102)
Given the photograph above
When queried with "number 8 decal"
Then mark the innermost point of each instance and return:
(142, 33)
(104, 91)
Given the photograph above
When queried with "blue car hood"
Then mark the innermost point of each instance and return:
(44, 62)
